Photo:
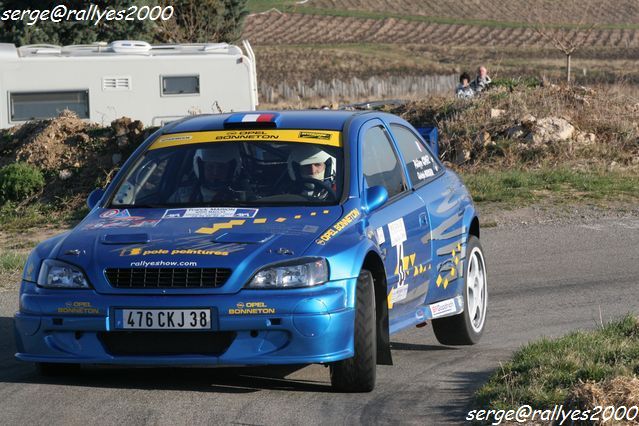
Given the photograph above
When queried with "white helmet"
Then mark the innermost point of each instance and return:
(222, 153)
(218, 153)
(310, 154)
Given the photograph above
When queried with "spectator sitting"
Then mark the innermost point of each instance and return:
(464, 91)
(482, 80)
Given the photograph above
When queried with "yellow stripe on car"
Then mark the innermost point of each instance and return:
(321, 137)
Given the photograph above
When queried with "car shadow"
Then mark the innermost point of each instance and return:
(469, 381)
(221, 379)
(400, 346)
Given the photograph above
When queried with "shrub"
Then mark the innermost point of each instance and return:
(512, 83)
(18, 181)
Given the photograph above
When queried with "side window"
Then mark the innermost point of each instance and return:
(380, 164)
(419, 162)
(42, 105)
(181, 85)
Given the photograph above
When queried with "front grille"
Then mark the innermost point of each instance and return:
(166, 342)
(167, 277)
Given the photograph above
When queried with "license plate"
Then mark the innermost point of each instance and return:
(164, 319)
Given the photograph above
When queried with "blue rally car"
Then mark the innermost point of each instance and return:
(261, 238)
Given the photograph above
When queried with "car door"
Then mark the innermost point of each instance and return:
(397, 225)
(430, 183)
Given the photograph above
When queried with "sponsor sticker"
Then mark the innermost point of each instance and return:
(338, 227)
(422, 162)
(131, 222)
(380, 235)
(315, 135)
(399, 293)
(176, 138)
(78, 308)
(442, 308)
(115, 214)
(421, 175)
(141, 251)
(29, 271)
(397, 232)
(209, 212)
(251, 308)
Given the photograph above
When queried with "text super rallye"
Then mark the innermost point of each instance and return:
(261, 238)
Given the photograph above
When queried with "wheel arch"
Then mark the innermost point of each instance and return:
(474, 227)
(373, 263)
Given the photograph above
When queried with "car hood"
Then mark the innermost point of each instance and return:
(240, 239)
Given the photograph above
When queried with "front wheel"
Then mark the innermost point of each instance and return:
(467, 327)
(357, 374)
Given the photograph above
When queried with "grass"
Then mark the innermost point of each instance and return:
(38, 214)
(542, 373)
(528, 186)
(12, 260)
(11, 264)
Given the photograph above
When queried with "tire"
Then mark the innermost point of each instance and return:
(468, 327)
(357, 374)
(51, 369)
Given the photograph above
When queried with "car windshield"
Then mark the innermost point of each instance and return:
(233, 174)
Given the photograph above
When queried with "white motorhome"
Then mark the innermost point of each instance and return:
(102, 82)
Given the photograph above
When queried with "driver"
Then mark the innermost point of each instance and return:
(309, 163)
(215, 169)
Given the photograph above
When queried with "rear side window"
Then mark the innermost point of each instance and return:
(42, 105)
(181, 85)
(419, 162)
(380, 164)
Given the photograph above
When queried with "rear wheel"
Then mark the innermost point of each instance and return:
(467, 327)
(52, 369)
(357, 374)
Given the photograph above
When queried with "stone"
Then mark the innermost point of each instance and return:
(120, 126)
(516, 132)
(496, 113)
(551, 130)
(585, 139)
(483, 139)
(64, 174)
(528, 120)
(116, 158)
(83, 138)
(122, 141)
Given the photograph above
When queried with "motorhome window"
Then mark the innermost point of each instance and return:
(40, 105)
(181, 85)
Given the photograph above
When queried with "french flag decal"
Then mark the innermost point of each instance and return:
(258, 118)
(252, 118)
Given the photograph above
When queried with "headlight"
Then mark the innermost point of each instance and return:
(305, 274)
(56, 274)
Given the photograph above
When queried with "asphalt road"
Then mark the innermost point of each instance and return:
(544, 280)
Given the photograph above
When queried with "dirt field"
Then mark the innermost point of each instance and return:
(301, 28)
(308, 63)
(620, 12)
(343, 39)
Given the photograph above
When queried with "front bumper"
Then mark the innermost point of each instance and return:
(301, 326)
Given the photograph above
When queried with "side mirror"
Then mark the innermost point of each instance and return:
(94, 197)
(376, 196)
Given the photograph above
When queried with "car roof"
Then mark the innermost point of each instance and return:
(309, 119)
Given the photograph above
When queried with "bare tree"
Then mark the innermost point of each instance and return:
(569, 37)
(199, 21)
